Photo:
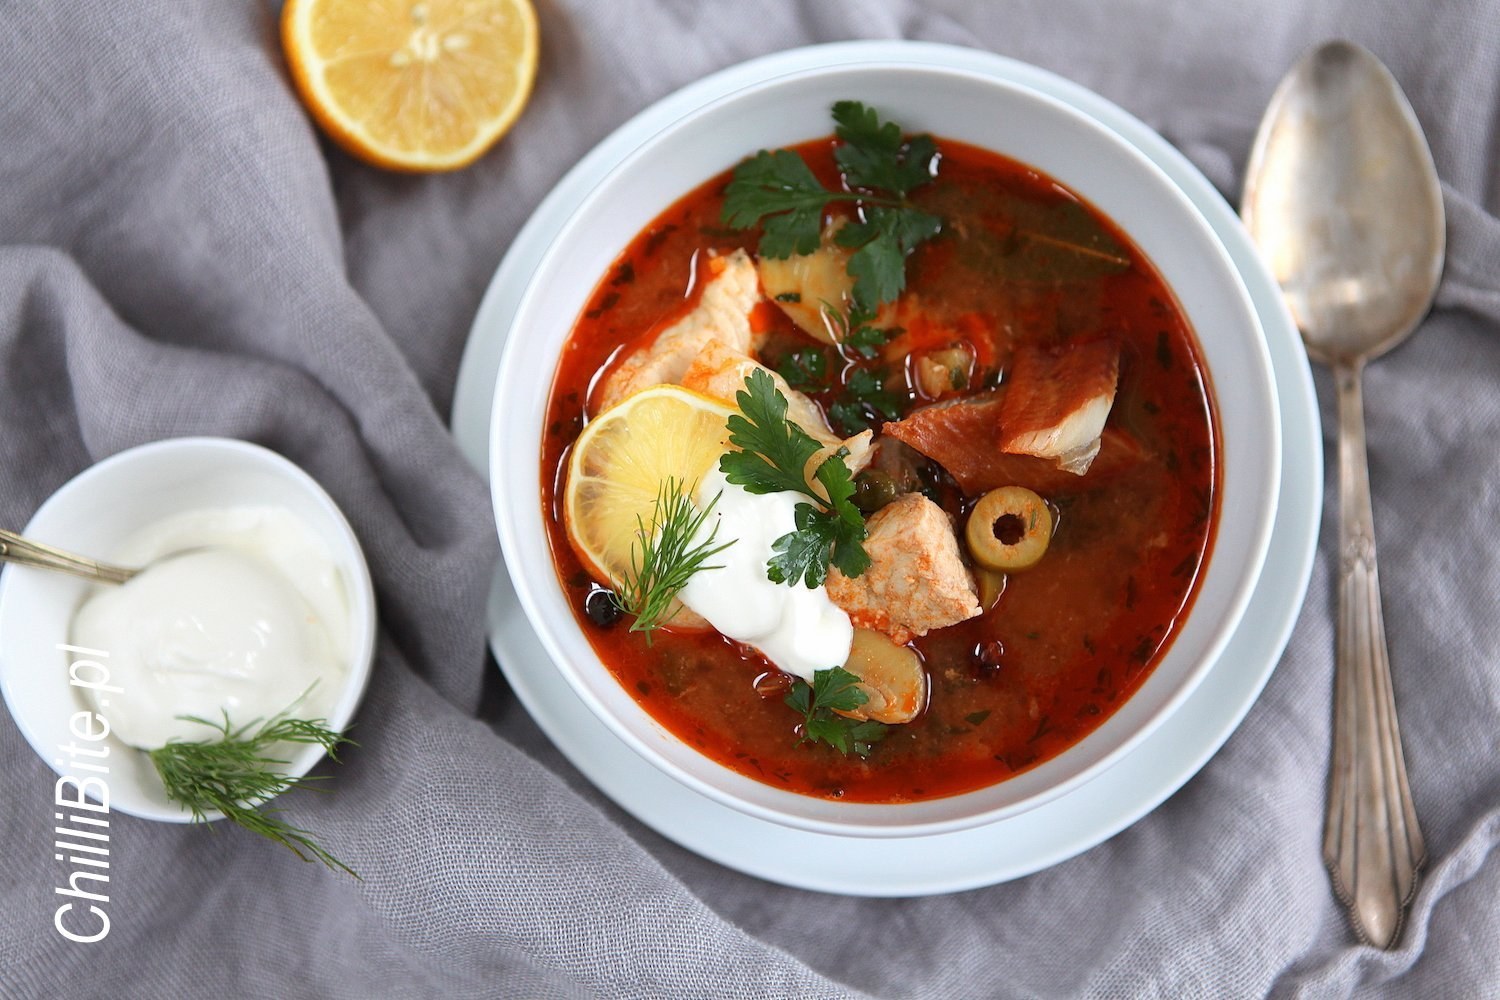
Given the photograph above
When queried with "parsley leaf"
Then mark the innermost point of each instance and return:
(839, 485)
(847, 531)
(883, 240)
(868, 386)
(799, 697)
(863, 735)
(774, 450)
(779, 188)
(868, 340)
(873, 155)
(803, 554)
(911, 227)
(879, 271)
(848, 551)
(823, 536)
(773, 457)
(849, 417)
(778, 191)
(831, 692)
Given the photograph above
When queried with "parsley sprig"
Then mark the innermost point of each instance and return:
(831, 692)
(778, 191)
(663, 557)
(773, 457)
(235, 773)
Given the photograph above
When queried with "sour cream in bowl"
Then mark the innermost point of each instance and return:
(241, 612)
(255, 601)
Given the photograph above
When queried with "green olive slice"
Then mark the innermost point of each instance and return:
(1009, 529)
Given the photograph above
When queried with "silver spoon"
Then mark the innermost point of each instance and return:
(1342, 198)
(25, 552)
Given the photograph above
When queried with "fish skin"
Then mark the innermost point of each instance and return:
(1056, 403)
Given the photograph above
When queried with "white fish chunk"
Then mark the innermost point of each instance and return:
(722, 313)
(720, 371)
(916, 581)
(1055, 405)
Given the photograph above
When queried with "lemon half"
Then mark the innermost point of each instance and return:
(417, 86)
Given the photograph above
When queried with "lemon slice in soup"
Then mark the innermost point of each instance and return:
(620, 461)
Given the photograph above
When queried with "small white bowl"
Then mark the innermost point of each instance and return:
(1010, 119)
(90, 515)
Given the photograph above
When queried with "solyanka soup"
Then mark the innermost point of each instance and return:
(1005, 441)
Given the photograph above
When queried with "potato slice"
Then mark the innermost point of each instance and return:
(802, 285)
(891, 676)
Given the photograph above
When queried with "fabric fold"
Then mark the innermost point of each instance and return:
(180, 253)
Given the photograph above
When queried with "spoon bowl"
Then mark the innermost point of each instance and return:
(1343, 199)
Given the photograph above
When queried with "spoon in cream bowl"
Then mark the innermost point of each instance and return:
(26, 552)
(1342, 199)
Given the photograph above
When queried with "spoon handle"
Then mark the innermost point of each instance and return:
(1371, 842)
(25, 552)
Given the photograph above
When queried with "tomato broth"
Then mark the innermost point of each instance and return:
(1020, 260)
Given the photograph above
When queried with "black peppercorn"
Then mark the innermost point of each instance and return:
(602, 607)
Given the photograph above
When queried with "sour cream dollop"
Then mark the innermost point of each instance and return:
(798, 629)
(240, 610)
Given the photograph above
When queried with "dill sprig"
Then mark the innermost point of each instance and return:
(235, 773)
(663, 558)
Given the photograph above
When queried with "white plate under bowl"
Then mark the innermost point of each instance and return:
(1049, 136)
(1015, 845)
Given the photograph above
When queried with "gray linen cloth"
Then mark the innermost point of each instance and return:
(180, 253)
